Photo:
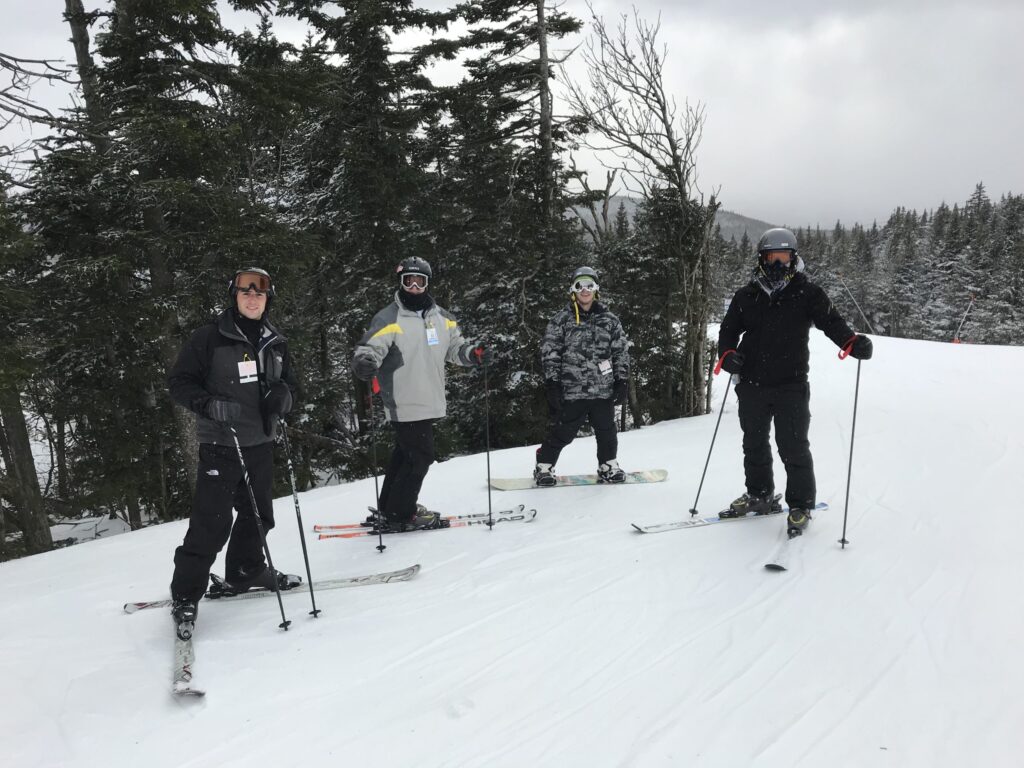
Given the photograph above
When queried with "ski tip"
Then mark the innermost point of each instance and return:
(637, 528)
(774, 567)
(186, 691)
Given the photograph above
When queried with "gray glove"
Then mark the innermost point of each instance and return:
(223, 411)
(364, 367)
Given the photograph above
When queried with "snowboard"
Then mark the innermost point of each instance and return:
(525, 483)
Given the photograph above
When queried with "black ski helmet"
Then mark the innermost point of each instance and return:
(414, 265)
(261, 279)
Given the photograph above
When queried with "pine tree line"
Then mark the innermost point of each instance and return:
(195, 150)
(952, 273)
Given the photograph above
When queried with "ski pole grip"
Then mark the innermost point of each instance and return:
(845, 351)
(718, 365)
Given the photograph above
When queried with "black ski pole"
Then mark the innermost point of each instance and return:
(315, 613)
(374, 387)
(259, 527)
(849, 469)
(487, 443)
(693, 509)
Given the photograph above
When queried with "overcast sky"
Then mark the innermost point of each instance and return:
(817, 110)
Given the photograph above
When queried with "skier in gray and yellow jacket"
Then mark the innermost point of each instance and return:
(406, 348)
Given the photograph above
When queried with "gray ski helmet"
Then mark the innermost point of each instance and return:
(776, 273)
(414, 265)
(778, 239)
(588, 272)
(584, 272)
(259, 277)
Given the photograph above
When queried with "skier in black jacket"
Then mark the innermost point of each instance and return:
(235, 374)
(773, 315)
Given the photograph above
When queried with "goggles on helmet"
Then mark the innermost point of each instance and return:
(414, 279)
(781, 256)
(585, 285)
(247, 282)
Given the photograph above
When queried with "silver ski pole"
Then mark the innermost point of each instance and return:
(259, 527)
(693, 509)
(374, 387)
(298, 514)
(849, 469)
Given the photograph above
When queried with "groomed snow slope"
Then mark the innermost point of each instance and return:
(572, 640)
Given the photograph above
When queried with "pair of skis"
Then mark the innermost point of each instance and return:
(184, 650)
(519, 514)
(782, 555)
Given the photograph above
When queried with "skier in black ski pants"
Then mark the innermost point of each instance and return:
(235, 375)
(773, 315)
(406, 348)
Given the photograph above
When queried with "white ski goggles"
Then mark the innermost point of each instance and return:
(414, 279)
(585, 285)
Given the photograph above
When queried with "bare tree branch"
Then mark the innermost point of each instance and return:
(20, 75)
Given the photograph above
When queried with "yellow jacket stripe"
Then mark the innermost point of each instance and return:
(389, 329)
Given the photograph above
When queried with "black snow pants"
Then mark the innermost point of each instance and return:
(567, 423)
(220, 486)
(410, 460)
(788, 406)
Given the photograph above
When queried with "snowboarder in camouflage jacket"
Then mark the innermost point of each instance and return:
(585, 354)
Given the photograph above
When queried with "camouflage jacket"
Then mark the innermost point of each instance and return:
(585, 354)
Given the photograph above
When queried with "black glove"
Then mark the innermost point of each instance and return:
(223, 411)
(620, 392)
(364, 367)
(733, 363)
(278, 399)
(862, 348)
(480, 355)
(553, 393)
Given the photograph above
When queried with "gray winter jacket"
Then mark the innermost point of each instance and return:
(411, 349)
(585, 352)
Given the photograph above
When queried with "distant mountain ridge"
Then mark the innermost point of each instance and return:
(732, 224)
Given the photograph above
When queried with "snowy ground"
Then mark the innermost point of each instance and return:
(573, 641)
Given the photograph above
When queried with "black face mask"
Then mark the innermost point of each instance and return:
(776, 274)
(251, 329)
(417, 302)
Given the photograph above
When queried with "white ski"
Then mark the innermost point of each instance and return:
(351, 581)
(184, 659)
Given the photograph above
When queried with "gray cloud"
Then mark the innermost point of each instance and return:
(816, 110)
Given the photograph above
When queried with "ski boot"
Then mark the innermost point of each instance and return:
(610, 472)
(371, 519)
(797, 520)
(544, 475)
(422, 520)
(183, 614)
(425, 520)
(748, 502)
(263, 578)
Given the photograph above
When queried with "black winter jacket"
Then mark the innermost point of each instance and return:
(215, 363)
(775, 329)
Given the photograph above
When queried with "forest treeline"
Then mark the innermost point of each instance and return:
(194, 150)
